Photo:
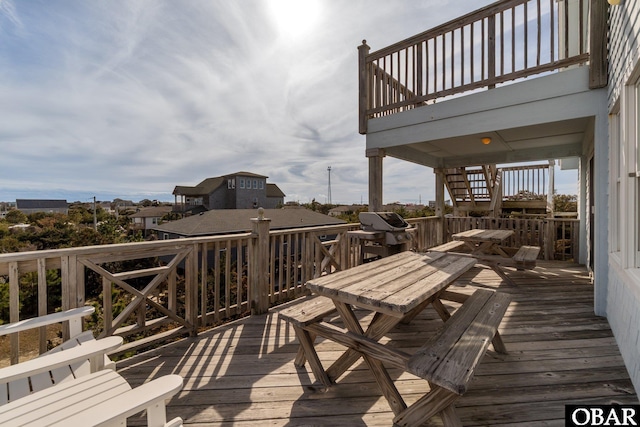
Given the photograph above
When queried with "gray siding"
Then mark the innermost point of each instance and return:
(623, 307)
(218, 199)
(624, 50)
(623, 297)
(273, 202)
(249, 198)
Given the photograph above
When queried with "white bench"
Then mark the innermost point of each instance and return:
(10, 390)
(102, 398)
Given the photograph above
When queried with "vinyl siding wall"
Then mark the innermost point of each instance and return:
(623, 299)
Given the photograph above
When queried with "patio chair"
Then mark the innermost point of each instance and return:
(102, 398)
(96, 358)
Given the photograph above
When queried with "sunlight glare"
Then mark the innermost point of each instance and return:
(294, 18)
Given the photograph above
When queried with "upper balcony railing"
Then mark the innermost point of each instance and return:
(504, 41)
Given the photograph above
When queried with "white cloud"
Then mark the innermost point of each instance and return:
(132, 97)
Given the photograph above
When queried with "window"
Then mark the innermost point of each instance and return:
(633, 154)
(241, 182)
(261, 184)
(627, 187)
(231, 183)
(615, 214)
(255, 184)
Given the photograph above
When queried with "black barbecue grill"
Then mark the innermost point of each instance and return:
(392, 224)
(383, 233)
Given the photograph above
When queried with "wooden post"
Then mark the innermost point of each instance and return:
(14, 309)
(67, 290)
(204, 269)
(191, 288)
(440, 205)
(363, 86)
(598, 64)
(375, 156)
(260, 264)
(491, 50)
(41, 264)
(551, 189)
(549, 240)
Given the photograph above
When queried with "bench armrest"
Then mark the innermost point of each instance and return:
(50, 361)
(150, 396)
(72, 316)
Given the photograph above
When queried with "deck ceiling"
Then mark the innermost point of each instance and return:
(543, 118)
(527, 143)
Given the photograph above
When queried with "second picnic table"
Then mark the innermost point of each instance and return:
(484, 242)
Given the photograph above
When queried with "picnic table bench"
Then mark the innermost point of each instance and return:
(451, 246)
(525, 258)
(302, 313)
(448, 360)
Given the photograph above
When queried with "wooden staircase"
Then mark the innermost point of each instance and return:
(525, 189)
(474, 188)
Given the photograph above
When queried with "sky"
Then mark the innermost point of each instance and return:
(129, 98)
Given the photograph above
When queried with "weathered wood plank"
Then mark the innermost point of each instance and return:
(559, 352)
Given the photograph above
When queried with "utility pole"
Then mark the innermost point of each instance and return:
(329, 193)
(95, 215)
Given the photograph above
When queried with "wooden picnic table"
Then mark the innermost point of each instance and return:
(485, 242)
(487, 247)
(396, 289)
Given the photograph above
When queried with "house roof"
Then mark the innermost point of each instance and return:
(152, 212)
(207, 186)
(222, 221)
(274, 191)
(41, 204)
(242, 173)
(204, 188)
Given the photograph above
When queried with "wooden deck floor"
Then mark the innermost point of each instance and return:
(242, 374)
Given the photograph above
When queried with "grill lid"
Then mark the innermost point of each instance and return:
(382, 221)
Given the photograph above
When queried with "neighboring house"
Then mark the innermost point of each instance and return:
(106, 206)
(584, 105)
(146, 219)
(225, 221)
(346, 210)
(29, 206)
(241, 190)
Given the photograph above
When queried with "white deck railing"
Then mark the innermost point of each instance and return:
(154, 291)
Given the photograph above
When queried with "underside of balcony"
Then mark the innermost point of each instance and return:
(560, 353)
(547, 117)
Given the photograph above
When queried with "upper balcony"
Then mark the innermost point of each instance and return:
(402, 87)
